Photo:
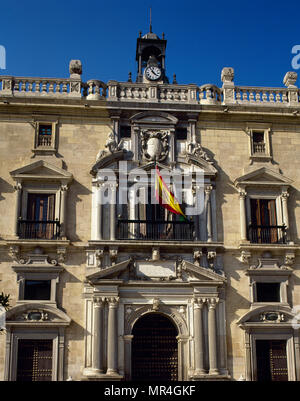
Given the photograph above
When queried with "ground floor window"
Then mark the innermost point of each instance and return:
(34, 360)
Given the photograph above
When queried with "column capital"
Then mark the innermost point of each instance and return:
(198, 302)
(113, 302)
(99, 301)
(64, 187)
(285, 195)
(208, 189)
(242, 193)
(18, 186)
(212, 302)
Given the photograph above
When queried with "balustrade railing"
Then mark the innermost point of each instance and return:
(267, 234)
(39, 229)
(146, 92)
(259, 96)
(155, 230)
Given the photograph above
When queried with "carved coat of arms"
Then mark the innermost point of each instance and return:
(155, 145)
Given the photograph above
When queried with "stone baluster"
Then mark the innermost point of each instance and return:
(98, 335)
(18, 188)
(243, 215)
(112, 336)
(37, 87)
(208, 190)
(198, 336)
(212, 336)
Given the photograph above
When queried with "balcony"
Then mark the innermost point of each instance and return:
(267, 234)
(149, 230)
(39, 229)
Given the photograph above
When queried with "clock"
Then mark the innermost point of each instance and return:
(153, 73)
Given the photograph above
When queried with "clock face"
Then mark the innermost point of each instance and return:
(153, 73)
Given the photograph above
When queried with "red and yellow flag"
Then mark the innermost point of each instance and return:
(165, 197)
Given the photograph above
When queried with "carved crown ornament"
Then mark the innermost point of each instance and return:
(155, 145)
(37, 257)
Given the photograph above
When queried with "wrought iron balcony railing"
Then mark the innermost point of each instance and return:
(267, 234)
(39, 229)
(155, 230)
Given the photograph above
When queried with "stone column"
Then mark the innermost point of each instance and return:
(18, 188)
(243, 215)
(63, 211)
(212, 336)
(113, 213)
(127, 347)
(284, 198)
(98, 335)
(208, 190)
(112, 336)
(99, 214)
(198, 337)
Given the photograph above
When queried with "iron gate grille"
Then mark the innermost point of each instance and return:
(154, 349)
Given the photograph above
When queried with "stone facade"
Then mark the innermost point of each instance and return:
(105, 271)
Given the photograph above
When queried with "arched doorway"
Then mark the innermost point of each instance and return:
(154, 349)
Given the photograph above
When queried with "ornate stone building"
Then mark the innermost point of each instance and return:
(129, 292)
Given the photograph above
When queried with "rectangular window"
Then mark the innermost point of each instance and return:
(37, 290)
(45, 135)
(125, 131)
(41, 207)
(258, 142)
(34, 360)
(263, 227)
(268, 292)
(181, 134)
(40, 220)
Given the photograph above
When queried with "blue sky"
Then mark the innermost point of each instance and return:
(254, 37)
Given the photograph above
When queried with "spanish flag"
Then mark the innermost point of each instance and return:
(165, 197)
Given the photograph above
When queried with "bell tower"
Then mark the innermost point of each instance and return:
(150, 57)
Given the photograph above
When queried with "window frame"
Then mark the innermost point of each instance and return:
(266, 131)
(40, 149)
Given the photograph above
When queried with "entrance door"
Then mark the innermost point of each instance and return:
(154, 349)
(271, 360)
(34, 360)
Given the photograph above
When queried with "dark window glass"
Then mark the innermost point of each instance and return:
(37, 289)
(258, 137)
(125, 131)
(181, 134)
(268, 292)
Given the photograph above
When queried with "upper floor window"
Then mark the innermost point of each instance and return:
(267, 292)
(45, 135)
(37, 290)
(181, 139)
(41, 201)
(263, 227)
(260, 147)
(40, 222)
(45, 141)
(258, 143)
